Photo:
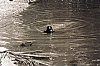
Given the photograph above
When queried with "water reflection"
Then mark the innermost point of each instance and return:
(76, 33)
(5, 60)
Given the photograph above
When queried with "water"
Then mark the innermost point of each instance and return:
(76, 31)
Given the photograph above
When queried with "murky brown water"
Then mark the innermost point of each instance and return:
(76, 32)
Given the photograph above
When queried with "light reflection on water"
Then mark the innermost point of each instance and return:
(76, 34)
(5, 61)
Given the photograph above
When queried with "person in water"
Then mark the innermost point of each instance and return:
(49, 29)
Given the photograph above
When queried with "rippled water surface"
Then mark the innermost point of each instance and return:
(76, 29)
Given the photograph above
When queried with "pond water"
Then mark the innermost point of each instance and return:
(76, 29)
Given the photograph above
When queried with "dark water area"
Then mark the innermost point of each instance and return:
(76, 36)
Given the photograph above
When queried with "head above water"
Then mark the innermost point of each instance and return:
(49, 29)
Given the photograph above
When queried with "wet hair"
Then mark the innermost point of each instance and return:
(49, 29)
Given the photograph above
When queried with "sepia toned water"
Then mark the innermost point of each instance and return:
(76, 26)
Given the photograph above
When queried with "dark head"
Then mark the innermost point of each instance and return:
(10, 0)
(49, 30)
